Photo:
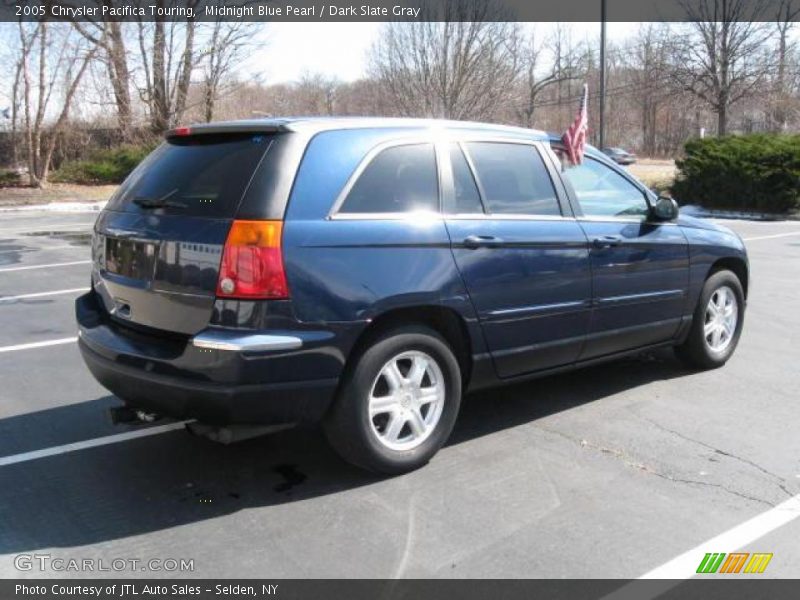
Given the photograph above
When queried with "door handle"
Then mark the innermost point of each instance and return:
(606, 241)
(482, 241)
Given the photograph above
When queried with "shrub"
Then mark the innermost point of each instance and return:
(103, 166)
(9, 178)
(758, 172)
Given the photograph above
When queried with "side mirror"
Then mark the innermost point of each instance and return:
(666, 209)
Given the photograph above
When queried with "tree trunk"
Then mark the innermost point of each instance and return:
(722, 120)
(209, 102)
(120, 78)
(15, 114)
(159, 107)
(186, 73)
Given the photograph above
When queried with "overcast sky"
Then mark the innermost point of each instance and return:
(340, 49)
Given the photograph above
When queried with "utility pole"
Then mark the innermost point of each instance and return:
(602, 74)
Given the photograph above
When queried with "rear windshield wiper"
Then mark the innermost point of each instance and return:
(162, 202)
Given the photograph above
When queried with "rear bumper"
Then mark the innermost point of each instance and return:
(218, 377)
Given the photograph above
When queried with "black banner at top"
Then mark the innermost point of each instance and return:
(389, 10)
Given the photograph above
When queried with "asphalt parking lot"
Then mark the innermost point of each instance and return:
(614, 471)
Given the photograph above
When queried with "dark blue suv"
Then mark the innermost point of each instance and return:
(365, 273)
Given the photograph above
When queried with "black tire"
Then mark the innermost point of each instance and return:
(696, 351)
(348, 426)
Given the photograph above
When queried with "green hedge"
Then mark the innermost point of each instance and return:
(9, 178)
(758, 172)
(103, 166)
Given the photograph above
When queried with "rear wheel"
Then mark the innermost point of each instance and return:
(717, 323)
(398, 402)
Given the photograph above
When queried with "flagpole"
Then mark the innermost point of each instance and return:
(602, 74)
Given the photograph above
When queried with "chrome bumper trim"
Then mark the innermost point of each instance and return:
(237, 342)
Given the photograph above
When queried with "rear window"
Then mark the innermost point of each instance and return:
(399, 179)
(203, 175)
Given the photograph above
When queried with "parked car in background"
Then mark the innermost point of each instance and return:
(365, 273)
(620, 156)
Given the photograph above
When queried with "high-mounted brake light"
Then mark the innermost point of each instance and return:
(252, 262)
(181, 131)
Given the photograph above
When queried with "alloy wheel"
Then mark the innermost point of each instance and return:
(406, 400)
(721, 317)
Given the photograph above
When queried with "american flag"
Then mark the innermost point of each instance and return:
(574, 138)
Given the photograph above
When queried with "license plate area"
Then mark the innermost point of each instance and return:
(135, 259)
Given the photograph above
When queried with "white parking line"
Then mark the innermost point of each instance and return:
(685, 565)
(103, 441)
(33, 345)
(47, 266)
(65, 228)
(4, 299)
(46, 248)
(769, 237)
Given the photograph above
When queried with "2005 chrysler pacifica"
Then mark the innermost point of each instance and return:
(365, 273)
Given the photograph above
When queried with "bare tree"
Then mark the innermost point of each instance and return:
(316, 94)
(542, 66)
(456, 64)
(786, 20)
(168, 58)
(108, 37)
(719, 60)
(648, 64)
(228, 44)
(59, 61)
(14, 56)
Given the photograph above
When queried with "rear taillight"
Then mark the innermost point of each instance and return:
(252, 263)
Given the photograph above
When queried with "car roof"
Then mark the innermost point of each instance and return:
(314, 125)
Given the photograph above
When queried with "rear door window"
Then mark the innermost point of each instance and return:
(399, 179)
(203, 175)
(514, 179)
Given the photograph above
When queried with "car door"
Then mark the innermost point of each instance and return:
(522, 255)
(640, 266)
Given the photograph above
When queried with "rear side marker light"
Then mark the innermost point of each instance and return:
(252, 262)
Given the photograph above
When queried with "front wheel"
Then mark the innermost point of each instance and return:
(717, 323)
(398, 402)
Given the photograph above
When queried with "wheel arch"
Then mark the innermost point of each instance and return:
(737, 265)
(446, 321)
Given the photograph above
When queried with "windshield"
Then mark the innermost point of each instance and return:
(195, 176)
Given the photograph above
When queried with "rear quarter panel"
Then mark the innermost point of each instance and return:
(342, 270)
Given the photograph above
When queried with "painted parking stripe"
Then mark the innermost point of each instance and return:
(770, 237)
(94, 443)
(47, 266)
(34, 345)
(685, 565)
(65, 228)
(45, 249)
(6, 299)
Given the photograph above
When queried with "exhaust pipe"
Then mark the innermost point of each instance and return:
(125, 414)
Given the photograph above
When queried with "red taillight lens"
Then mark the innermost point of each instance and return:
(252, 263)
